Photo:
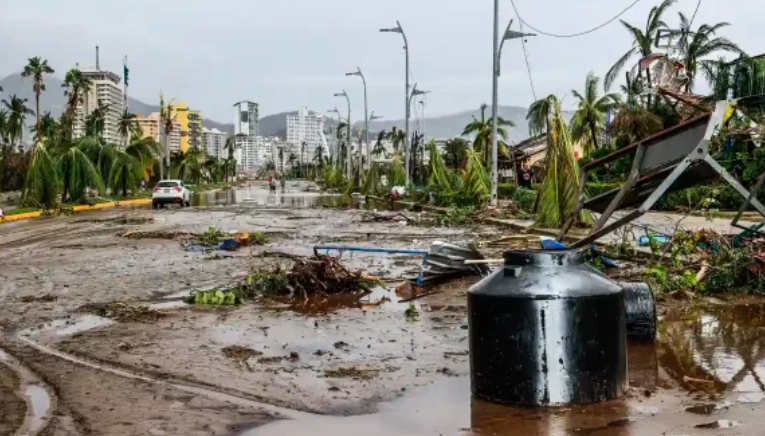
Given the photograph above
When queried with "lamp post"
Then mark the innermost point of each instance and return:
(348, 166)
(399, 29)
(509, 34)
(415, 92)
(336, 151)
(366, 115)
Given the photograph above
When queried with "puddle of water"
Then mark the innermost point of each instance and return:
(38, 404)
(69, 326)
(167, 305)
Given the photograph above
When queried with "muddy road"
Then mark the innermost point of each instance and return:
(321, 368)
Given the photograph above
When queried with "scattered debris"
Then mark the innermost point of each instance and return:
(122, 312)
(272, 359)
(215, 297)
(411, 313)
(239, 353)
(720, 423)
(341, 345)
(352, 372)
(45, 298)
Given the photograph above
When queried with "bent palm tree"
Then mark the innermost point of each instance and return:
(125, 174)
(40, 187)
(397, 137)
(482, 131)
(77, 173)
(696, 45)
(455, 152)
(379, 147)
(36, 68)
(76, 86)
(17, 113)
(642, 41)
(125, 126)
(589, 119)
(557, 195)
(538, 115)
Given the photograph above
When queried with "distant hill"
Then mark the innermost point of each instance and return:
(449, 126)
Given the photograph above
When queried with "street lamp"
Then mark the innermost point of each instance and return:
(336, 151)
(399, 29)
(348, 166)
(509, 34)
(366, 114)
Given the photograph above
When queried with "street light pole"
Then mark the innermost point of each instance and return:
(336, 151)
(497, 53)
(366, 116)
(399, 29)
(348, 165)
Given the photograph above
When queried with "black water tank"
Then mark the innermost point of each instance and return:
(547, 329)
(640, 311)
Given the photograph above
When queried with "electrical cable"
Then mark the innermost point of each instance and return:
(528, 65)
(572, 35)
(693, 17)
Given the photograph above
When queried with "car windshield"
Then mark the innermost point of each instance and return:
(167, 184)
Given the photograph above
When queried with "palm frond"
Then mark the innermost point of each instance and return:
(41, 183)
(77, 173)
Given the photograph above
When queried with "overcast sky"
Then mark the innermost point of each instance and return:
(285, 54)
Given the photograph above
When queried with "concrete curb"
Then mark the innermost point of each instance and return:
(80, 208)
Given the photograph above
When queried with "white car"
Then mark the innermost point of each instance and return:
(170, 191)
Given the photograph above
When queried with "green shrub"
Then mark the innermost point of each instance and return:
(526, 199)
(594, 189)
(506, 191)
(725, 198)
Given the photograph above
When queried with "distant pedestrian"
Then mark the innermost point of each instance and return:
(524, 177)
(282, 182)
(272, 184)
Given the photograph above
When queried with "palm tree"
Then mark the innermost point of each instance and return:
(125, 173)
(17, 113)
(230, 159)
(589, 119)
(558, 192)
(538, 115)
(36, 68)
(126, 125)
(642, 41)
(482, 131)
(48, 126)
(76, 86)
(318, 156)
(95, 123)
(40, 187)
(77, 173)
(4, 127)
(696, 45)
(397, 137)
(145, 151)
(379, 147)
(455, 152)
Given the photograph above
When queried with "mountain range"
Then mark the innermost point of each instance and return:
(446, 126)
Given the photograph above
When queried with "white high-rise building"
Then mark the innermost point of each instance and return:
(246, 120)
(306, 128)
(104, 88)
(214, 143)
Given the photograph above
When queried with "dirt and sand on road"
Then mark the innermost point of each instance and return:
(324, 367)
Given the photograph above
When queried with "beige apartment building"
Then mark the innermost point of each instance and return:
(150, 126)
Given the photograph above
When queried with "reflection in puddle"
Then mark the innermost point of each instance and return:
(38, 404)
(69, 326)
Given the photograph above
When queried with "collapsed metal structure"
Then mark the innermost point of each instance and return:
(679, 157)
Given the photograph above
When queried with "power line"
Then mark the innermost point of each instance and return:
(694, 14)
(572, 35)
(528, 65)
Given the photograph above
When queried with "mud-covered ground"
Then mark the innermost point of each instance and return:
(317, 370)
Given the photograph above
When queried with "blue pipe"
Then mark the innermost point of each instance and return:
(368, 250)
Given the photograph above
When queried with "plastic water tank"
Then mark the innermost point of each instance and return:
(547, 330)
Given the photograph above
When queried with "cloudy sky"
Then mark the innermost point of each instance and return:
(285, 54)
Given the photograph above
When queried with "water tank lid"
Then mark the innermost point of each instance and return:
(543, 257)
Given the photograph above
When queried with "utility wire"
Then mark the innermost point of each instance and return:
(528, 65)
(572, 35)
(694, 14)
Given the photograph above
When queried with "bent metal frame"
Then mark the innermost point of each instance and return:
(678, 158)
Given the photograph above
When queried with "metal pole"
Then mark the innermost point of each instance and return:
(494, 77)
(366, 123)
(349, 160)
(406, 100)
